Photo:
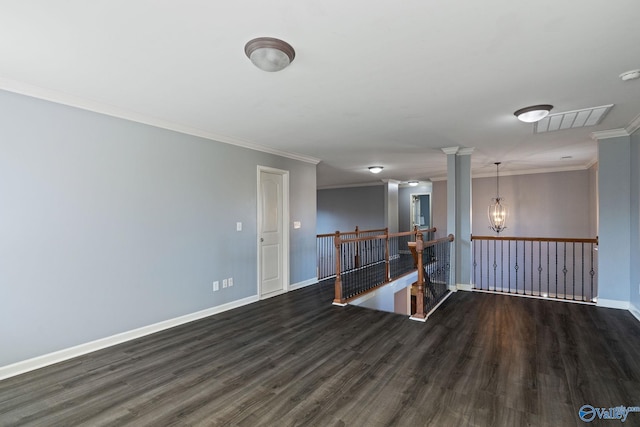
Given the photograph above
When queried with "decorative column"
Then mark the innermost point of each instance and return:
(451, 209)
(459, 214)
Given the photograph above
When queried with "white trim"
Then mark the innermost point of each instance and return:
(612, 303)
(635, 311)
(634, 125)
(121, 113)
(464, 287)
(524, 172)
(571, 301)
(418, 319)
(285, 230)
(303, 284)
(363, 184)
(450, 150)
(340, 304)
(611, 133)
(453, 288)
(465, 151)
(99, 344)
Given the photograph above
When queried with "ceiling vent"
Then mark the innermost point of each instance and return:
(572, 119)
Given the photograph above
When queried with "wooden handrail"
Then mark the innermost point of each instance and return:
(357, 231)
(537, 239)
(382, 236)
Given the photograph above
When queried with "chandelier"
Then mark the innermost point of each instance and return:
(498, 212)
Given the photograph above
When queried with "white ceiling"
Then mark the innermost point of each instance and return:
(373, 82)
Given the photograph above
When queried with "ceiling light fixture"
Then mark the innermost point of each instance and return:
(413, 183)
(498, 212)
(375, 169)
(269, 54)
(630, 75)
(534, 113)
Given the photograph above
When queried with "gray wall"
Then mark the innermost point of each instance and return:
(635, 221)
(109, 225)
(614, 183)
(529, 198)
(439, 208)
(342, 209)
(557, 204)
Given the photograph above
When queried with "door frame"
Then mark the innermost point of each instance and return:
(411, 197)
(285, 229)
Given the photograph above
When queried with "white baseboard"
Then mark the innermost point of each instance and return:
(635, 311)
(612, 303)
(464, 287)
(303, 284)
(82, 349)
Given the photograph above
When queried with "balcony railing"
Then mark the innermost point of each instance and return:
(557, 268)
(326, 250)
(365, 263)
(434, 267)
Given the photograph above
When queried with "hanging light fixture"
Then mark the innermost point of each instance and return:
(498, 212)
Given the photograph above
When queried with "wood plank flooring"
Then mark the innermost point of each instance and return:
(480, 360)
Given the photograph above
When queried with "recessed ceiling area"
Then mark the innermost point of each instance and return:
(372, 83)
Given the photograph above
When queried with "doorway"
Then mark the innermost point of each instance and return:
(273, 232)
(421, 211)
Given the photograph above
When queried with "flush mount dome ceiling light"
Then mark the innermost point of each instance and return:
(269, 54)
(375, 169)
(534, 113)
(413, 183)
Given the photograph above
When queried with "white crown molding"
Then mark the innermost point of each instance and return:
(634, 125)
(465, 151)
(121, 113)
(364, 184)
(591, 163)
(525, 172)
(450, 150)
(392, 181)
(611, 133)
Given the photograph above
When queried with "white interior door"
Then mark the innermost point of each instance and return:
(271, 228)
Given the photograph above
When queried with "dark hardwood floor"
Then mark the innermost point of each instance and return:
(479, 360)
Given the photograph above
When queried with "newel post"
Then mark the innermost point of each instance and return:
(419, 314)
(338, 298)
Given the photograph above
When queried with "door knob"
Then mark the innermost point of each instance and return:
(261, 240)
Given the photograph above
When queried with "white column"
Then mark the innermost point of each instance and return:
(451, 210)
(463, 218)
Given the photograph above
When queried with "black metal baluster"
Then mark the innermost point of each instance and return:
(516, 267)
(475, 264)
(509, 266)
(564, 268)
(531, 249)
(573, 273)
(556, 269)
